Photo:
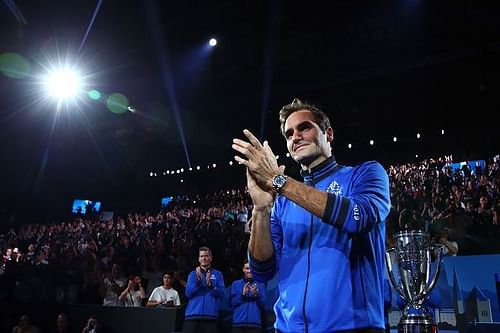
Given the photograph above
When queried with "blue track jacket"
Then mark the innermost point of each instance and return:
(203, 300)
(247, 308)
(331, 268)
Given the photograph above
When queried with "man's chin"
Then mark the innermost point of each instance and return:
(307, 160)
(303, 159)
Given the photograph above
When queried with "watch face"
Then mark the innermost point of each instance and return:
(279, 181)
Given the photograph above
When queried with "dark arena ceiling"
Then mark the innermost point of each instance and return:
(379, 68)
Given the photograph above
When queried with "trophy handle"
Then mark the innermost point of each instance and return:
(390, 270)
(438, 250)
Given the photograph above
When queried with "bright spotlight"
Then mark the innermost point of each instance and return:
(63, 84)
(212, 42)
(349, 146)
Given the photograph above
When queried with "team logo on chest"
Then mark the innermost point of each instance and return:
(334, 188)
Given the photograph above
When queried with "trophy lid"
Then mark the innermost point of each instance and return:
(411, 233)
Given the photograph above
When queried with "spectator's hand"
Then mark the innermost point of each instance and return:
(254, 290)
(198, 274)
(130, 284)
(246, 288)
(207, 278)
(91, 324)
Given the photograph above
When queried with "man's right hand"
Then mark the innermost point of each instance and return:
(198, 274)
(261, 199)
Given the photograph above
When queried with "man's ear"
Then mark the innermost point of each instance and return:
(329, 134)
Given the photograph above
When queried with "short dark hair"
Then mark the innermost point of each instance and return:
(320, 117)
(204, 248)
(169, 273)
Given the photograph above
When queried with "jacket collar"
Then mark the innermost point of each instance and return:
(325, 168)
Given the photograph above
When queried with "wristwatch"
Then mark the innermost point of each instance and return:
(279, 182)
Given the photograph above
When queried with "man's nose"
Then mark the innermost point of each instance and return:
(297, 136)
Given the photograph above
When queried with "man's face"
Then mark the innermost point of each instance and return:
(306, 143)
(167, 280)
(205, 259)
(115, 271)
(247, 272)
(61, 321)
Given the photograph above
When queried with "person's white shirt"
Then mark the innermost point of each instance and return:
(133, 298)
(111, 297)
(161, 294)
(446, 251)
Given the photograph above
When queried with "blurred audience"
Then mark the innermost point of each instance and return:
(66, 262)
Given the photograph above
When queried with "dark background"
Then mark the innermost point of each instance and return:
(378, 68)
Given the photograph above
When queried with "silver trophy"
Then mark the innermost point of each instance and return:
(413, 255)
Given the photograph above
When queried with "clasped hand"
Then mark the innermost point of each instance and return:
(261, 165)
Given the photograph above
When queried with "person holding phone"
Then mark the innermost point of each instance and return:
(134, 294)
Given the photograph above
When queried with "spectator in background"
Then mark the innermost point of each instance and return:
(205, 287)
(25, 326)
(450, 248)
(134, 295)
(113, 286)
(93, 325)
(165, 295)
(247, 302)
(63, 325)
(181, 276)
(484, 211)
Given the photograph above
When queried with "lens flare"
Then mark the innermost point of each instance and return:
(14, 65)
(117, 103)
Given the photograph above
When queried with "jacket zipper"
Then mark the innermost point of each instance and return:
(306, 322)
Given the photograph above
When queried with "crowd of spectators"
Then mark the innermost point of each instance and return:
(459, 205)
(74, 261)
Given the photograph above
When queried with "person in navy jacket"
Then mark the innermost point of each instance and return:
(323, 238)
(247, 302)
(204, 290)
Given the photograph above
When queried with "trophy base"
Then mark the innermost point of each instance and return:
(417, 324)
